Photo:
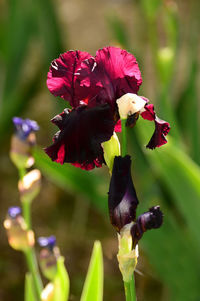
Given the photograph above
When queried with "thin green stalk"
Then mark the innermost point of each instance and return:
(30, 252)
(33, 268)
(124, 138)
(26, 205)
(127, 291)
(26, 213)
(22, 172)
(132, 288)
(129, 288)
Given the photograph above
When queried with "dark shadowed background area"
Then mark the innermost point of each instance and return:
(72, 205)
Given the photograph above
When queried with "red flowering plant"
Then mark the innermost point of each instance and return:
(92, 85)
(102, 92)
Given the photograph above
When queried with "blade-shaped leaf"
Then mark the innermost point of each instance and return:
(93, 287)
(72, 178)
(174, 257)
(61, 282)
(181, 176)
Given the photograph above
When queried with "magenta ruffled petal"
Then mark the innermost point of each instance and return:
(162, 127)
(62, 76)
(118, 126)
(112, 73)
(82, 131)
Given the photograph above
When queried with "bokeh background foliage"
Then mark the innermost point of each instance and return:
(164, 36)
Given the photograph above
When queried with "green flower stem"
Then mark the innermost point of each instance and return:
(132, 288)
(26, 213)
(26, 205)
(129, 288)
(124, 138)
(22, 172)
(127, 291)
(30, 252)
(33, 268)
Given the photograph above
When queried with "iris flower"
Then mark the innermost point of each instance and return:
(123, 202)
(92, 86)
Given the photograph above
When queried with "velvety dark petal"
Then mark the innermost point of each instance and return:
(111, 74)
(162, 127)
(149, 220)
(82, 131)
(62, 76)
(131, 120)
(122, 198)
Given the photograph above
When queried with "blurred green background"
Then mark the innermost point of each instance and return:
(164, 37)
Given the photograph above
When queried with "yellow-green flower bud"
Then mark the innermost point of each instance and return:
(29, 185)
(20, 152)
(19, 237)
(48, 256)
(22, 142)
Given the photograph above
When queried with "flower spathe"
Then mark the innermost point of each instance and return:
(89, 83)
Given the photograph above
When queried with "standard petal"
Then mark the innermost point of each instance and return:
(82, 131)
(149, 220)
(122, 198)
(62, 76)
(112, 73)
(162, 127)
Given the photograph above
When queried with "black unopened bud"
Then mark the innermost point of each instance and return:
(149, 220)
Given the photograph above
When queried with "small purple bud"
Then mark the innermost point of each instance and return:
(149, 220)
(24, 127)
(48, 242)
(13, 212)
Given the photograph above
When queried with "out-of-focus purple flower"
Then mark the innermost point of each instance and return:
(13, 212)
(23, 141)
(151, 219)
(122, 198)
(48, 256)
(19, 237)
(23, 127)
(47, 242)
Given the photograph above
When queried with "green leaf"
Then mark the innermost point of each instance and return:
(93, 287)
(48, 29)
(29, 291)
(61, 282)
(118, 30)
(75, 179)
(150, 8)
(181, 177)
(174, 257)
